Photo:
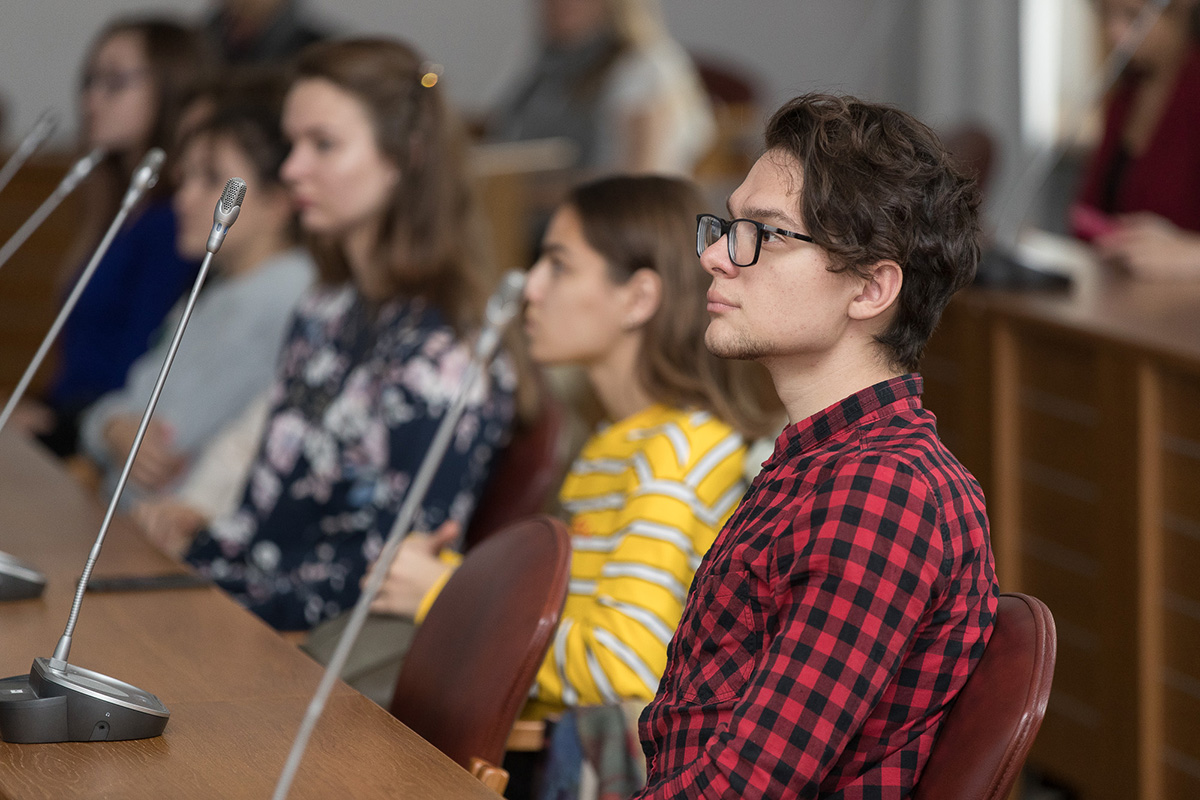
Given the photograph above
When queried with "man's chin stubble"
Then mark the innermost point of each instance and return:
(734, 348)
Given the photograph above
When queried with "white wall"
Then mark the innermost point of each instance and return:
(793, 45)
(948, 61)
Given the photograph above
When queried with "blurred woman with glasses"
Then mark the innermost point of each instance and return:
(137, 77)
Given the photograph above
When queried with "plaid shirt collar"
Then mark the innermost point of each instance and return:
(809, 433)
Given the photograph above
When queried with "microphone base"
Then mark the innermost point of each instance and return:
(19, 580)
(76, 705)
(999, 269)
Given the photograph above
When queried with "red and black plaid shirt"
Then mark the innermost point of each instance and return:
(835, 617)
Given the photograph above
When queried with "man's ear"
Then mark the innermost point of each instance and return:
(643, 297)
(879, 291)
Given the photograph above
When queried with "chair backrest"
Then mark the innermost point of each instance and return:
(526, 473)
(986, 736)
(726, 83)
(472, 661)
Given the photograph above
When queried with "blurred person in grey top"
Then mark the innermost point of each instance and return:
(227, 356)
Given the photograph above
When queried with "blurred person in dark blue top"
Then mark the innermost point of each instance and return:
(137, 78)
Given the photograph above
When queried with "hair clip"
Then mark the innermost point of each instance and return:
(430, 73)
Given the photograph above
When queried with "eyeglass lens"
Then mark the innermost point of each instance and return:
(743, 238)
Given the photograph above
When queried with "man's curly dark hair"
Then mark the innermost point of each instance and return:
(878, 185)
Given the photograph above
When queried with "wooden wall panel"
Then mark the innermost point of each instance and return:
(1091, 505)
(29, 282)
(1179, 673)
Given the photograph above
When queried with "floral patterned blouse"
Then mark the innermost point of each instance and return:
(355, 405)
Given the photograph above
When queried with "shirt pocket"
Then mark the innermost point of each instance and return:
(722, 641)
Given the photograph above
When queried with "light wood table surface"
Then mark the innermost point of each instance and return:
(236, 690)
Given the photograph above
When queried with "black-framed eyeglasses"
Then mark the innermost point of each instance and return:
(743, 237)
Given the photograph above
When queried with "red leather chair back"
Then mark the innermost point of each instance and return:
(986, 737)
(473, 659)
(525, 476)
(725, 82)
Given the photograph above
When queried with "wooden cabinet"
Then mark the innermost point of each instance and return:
(1080, 414)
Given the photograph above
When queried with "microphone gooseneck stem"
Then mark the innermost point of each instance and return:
(64, 643)
(502, 308)
(64, 312)
(37, 135)
(73, 178)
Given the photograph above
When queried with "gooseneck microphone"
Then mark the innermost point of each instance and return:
(18, 579)
(226, 213)
(75, 175)
(37, 135)
(144, 178)
(501, 308)
(57, 701)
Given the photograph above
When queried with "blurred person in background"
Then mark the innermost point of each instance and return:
(1140, 197)
(610, 79)
(261, 31)
(237, 326)
(618, 292)
(377, 348)
(136, 79)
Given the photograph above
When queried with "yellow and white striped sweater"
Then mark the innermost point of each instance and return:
(645, 499)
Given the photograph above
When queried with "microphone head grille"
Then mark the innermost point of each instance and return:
(154, 161)
(506, 301)
(234, 194)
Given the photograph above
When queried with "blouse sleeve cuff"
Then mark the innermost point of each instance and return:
(450, 558)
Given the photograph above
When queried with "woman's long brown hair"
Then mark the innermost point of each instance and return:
(432, 242)
(648, 222)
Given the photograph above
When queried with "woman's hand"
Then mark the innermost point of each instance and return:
(30, 416)
(169, 524)
(415, 571)
(1152, 248)
(158, 462)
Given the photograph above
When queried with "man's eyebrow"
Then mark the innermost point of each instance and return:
(771, 216)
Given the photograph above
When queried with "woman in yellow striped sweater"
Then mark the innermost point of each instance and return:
(618, 291)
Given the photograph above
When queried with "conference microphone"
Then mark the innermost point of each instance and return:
(57, 701)
(19, 580)
(38, 134)
(1002, 266)
(501, 308)
(75, 175)
(144, 178)
(226, 213)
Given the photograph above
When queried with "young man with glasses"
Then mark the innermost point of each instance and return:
(841, 608)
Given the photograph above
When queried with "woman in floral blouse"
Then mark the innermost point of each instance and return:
(376, 351)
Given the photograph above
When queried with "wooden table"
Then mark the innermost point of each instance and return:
(1080, 414)
(236, 690)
